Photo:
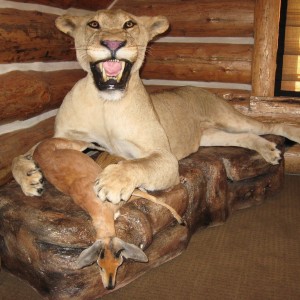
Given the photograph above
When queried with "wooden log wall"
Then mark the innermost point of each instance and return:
(209, 44)
(205, 46)
(65, 4)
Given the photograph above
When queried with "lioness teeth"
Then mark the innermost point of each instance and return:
(112, 69)
(121, 72)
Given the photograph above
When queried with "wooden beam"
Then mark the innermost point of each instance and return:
(65, 4)
(232, 18)
(19, 142)
(199, 62)
(266, 27)
(26, 94)
(275, 109)
(28, 36)
(276, 105)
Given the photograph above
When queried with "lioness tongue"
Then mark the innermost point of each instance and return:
(112, 68)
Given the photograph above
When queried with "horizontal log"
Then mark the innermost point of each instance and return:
(274, 118)
(19, 142)
(199, 62)
(291, 40)
(276, 105)
(275, 109)
(28, 36)
(65, 4)
(196, 18)
(26, 94)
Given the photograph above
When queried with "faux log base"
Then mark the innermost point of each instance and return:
(42, 237)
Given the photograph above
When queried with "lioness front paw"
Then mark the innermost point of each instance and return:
(271, 154)
(29, 176)
(114, 184)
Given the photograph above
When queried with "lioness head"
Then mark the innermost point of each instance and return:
(111, 45)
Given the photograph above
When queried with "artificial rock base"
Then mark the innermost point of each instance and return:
(42, 237)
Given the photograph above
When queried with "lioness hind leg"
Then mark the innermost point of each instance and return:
(239, 123)
(268, 150)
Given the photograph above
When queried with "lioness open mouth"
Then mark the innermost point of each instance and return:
(111, 74)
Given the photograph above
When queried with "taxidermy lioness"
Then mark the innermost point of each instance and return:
(111, 107)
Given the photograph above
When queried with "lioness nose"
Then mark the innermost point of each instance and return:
(113, 45)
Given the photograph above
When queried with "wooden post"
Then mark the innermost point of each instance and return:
(266, 27)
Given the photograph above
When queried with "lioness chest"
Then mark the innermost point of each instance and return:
(125, 128)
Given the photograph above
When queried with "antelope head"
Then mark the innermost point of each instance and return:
(109, 253)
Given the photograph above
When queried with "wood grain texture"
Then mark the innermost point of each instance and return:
(290, 71)
(276, 105)
(199, 62)
(19, 142)
(290, 86)
(195, 18)
(291, 41)
(293, 16)
(65, 4)
(266, 27)
(238, 169)
(27, 94)
(29, 36)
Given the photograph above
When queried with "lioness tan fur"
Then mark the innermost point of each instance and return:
(111, 107)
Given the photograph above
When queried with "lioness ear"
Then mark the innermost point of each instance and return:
(66, 24)
(156, 25)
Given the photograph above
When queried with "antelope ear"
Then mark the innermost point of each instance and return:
(129, 251)
(89, 255)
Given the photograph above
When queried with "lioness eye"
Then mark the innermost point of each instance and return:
(128, 24)
(94, 24)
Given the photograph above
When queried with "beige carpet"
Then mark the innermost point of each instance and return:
(255, 255)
